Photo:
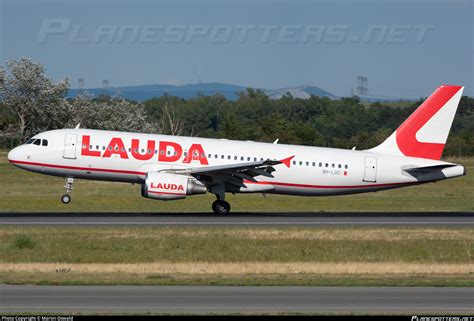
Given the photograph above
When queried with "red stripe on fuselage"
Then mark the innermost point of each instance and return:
(77, 168)
(245, 181)
(326, 186)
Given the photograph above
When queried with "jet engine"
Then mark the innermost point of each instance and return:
(166, 186)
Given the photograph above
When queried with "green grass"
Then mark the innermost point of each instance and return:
(65, 248)
(22, 191)
(22, 241)
(132, 245)
(234, 280)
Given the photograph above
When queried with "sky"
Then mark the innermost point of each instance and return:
(405, 48)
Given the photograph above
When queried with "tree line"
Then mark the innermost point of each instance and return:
(30, 103)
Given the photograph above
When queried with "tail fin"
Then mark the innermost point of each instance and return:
(425, 132)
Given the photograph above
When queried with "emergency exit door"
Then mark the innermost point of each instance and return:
(70, 143)
(370, 173)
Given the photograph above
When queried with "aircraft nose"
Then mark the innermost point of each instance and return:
(13, 155)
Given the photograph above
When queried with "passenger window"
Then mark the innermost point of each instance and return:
(339, 166)
(326, 165)
(45, 142)
(37, 142)
(333, 165)
(307, 163)
(228, 156)
(248, 159)
(301, 163)
(222, 156)
(314, 164)
(294, 162)
(235, 157)
(345, 166)
(242, 158)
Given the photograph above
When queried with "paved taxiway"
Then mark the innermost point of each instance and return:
(442, 219)
(186, 299)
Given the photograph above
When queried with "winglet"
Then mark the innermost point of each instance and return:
(287, 161)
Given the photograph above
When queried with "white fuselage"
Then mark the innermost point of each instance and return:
(313, 171)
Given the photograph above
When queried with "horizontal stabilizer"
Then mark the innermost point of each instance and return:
(436, 172)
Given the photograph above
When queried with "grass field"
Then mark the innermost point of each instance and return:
(24, 191)
(237, 256)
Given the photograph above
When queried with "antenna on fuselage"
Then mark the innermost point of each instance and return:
(276, 141)
(78, 125)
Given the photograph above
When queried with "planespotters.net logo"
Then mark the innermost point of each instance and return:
(451, 318)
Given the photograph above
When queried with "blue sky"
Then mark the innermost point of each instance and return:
(322, 43)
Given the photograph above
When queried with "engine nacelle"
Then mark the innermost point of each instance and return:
(166, 186)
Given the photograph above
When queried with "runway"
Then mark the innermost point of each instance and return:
(186, 299)
(441, 219)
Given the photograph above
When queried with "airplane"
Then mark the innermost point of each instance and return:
(174, 167)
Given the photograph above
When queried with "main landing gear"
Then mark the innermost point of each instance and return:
(220, 206)
(66, 198)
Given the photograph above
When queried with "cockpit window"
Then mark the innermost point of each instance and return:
(37, 142)
(45, 142)
(30, 141)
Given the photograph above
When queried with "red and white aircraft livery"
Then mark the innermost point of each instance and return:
(172, 167)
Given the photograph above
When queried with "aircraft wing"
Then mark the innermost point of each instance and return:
(233, 174)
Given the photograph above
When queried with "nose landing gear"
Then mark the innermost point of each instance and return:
(66, 198)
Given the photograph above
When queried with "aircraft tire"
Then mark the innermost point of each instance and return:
(221, 207)
(65, 198)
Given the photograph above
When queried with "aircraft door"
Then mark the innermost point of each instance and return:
(70, 143)
(370, 172)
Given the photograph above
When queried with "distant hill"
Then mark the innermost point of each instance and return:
(145, 92)
(303, 92)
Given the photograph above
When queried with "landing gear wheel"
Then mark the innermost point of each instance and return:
(65, 198)
(221, 207)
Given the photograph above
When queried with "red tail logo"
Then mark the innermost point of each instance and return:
(406, 134)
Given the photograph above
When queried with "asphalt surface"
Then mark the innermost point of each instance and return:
(442, 219)
(185, 299)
